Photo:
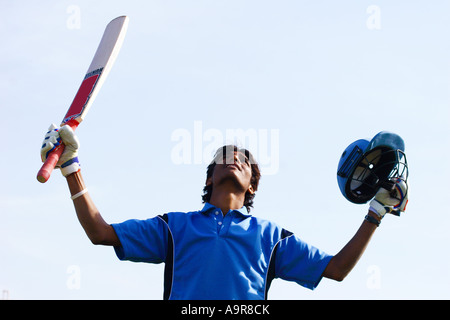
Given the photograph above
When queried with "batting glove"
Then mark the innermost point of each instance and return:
(68, 162)
(393, 201)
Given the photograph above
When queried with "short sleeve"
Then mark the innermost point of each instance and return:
(300, 262)
(142, 240)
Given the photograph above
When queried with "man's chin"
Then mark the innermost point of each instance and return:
(232, 181)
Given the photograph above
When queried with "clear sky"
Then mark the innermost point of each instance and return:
(296, 81)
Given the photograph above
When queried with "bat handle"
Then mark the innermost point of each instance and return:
(52, 159)
(49, 164)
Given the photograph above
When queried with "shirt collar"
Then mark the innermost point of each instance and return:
(209, 207)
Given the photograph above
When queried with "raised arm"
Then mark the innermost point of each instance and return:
(343, 262)
(98, 231)
(384, 202)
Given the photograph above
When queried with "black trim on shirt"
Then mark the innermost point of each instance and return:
(168, 268)
(271, 271)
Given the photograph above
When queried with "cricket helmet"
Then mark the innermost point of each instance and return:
(366, 166)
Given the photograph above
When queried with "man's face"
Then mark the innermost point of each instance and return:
(232, 167)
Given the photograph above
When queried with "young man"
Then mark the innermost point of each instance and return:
(220, 251)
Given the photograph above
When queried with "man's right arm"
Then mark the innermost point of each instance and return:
(98, 231)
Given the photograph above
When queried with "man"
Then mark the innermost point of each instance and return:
(220, 251)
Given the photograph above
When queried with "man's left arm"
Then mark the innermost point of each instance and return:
(343, 262)
(384, 202)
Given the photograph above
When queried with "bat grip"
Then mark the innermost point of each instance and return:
(49, 164)
(52, 159)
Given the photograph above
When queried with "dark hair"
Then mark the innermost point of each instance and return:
(254, 181)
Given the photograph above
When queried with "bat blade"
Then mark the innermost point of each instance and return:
(96, 74)
(83, 96)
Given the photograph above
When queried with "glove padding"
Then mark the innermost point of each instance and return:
(68, 162)
(393, 201)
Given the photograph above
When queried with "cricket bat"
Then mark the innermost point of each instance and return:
(96, 74)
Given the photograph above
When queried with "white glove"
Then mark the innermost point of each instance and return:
(68, 162)
(394, 201)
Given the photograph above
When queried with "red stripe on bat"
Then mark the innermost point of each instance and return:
(82, 97)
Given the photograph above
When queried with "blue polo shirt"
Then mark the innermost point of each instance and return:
(209, 256)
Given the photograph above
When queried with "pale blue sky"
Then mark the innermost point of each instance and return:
(313, 72)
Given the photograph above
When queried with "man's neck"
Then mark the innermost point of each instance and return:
(226, 200)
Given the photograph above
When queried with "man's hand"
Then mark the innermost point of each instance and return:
(68, 162)
(393, 202)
